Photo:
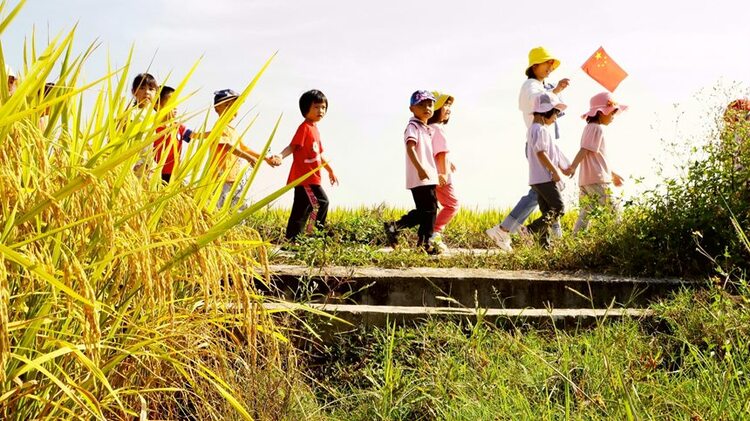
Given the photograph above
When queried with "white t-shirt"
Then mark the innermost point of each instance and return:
(539, 139)
(440, 145)
(421, 134)
(529, 90)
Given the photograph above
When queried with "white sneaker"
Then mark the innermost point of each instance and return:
(436, 240)
(500, 237)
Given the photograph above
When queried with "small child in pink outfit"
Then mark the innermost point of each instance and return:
(444, 191)
(595, 178)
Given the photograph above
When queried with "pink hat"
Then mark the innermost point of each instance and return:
(547, 101)
(603, 102)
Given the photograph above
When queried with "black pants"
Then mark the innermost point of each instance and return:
(307, 200)
(424, 214)
(166, 177)
(552, 207)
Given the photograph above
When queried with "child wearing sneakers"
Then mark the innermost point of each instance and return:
(421, 175)
(546, 164)
(541, 64)
(446, 196)
(310, 200)
(596, 178)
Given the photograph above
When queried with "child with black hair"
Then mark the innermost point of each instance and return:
(421, 175)
(310, 201)
(546, 164)
(144, 89)
(596, 177)
(168, 147)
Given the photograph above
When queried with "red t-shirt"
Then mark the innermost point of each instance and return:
(171, 144)
(307, 154)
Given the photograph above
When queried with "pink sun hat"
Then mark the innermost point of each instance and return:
(603, 102)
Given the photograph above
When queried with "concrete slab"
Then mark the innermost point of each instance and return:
(457, 287)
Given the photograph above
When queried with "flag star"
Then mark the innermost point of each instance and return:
(598, 55)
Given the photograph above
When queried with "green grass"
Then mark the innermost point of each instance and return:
(355, 238)
(693, 364)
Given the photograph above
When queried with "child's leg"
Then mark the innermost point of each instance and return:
(590, 195)
(301, 209)
(426, 201)
(446, 196)
(520, 212)
(166, 177)
(322, 199)
(551, 203)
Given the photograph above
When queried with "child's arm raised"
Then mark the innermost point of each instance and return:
(411, 152)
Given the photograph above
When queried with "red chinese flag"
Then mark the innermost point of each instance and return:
(604, 70)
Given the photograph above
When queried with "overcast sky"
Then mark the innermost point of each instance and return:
(367, 57)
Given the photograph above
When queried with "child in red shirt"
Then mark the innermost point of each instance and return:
(310, 201)
(168, 147)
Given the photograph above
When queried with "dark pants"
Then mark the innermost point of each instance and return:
(552, 207)
(307, 200)
(424, 214)
(166, 177)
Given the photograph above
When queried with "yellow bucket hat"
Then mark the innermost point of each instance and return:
(540, 55)
(440, 99)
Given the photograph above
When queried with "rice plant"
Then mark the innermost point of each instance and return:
(121, 296)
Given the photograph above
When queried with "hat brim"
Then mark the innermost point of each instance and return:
(605, 110)
(548, 107)
(555, 63)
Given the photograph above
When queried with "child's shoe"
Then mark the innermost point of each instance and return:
(500, 237)
(391, 233)
(436, 241)
(431, 249)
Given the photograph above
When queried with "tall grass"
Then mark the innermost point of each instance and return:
(121, 297)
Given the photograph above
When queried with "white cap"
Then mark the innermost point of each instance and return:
(9, 71)
(547, 101)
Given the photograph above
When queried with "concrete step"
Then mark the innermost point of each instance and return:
(381, 315)
(466, 288)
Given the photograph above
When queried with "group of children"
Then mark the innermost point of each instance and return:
(428, 169)
(428, 166)
(230, 156)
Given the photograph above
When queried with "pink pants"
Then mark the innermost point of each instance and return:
(448, 206)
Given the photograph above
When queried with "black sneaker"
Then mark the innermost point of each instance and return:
(391, 233)
(431, 249)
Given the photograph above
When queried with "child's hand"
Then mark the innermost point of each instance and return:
(617, 180)
(332, 178)
(561, 85)
(442, 180)
(556, 175)
(273, 160)
(570, 171)
(422, 174)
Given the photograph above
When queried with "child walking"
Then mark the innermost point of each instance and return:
(541, 64)
(168, 147)
(596, 178)
(546, 164)
(310, 200)
(446, 195)
(421, 175)
(229, 153)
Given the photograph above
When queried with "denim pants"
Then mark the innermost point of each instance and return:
(521, 212)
